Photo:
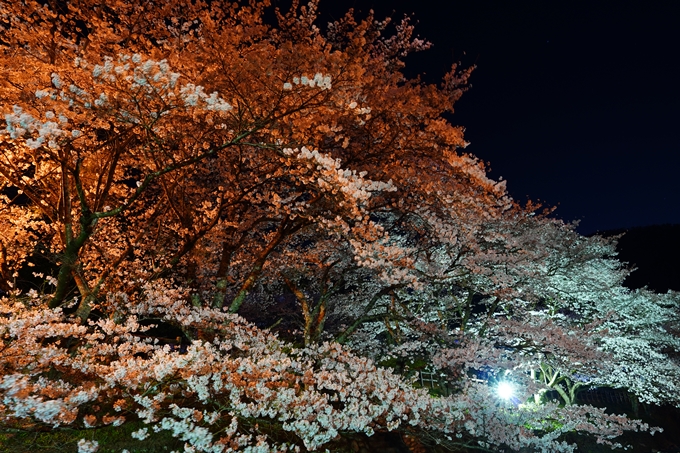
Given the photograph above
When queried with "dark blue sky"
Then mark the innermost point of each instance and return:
(574, 102)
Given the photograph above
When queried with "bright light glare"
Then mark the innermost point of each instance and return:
(505, 390)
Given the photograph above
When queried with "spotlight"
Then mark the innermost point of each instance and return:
(505, 390)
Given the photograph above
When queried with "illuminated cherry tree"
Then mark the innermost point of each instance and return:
(185, 163)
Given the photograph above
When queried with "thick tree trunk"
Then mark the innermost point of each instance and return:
(256, 269)
(286, 228)
(314, 315)
(5, 276)
(222, 282)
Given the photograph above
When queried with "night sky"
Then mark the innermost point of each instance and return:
(574, 103)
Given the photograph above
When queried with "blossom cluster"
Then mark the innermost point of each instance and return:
(241, 373)
(20, 123)
(334, 178)
(319, 80)
(131, 73)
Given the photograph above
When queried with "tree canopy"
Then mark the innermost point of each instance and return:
(307, 220)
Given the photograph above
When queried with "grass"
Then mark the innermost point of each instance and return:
(111, 440)
(116, 439)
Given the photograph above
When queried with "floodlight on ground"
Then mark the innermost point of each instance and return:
(505, 390)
